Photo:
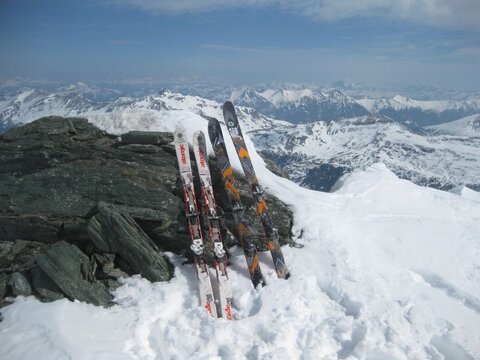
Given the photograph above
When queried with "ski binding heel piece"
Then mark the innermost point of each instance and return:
(258, 190)
(218, 250)
(197, 246)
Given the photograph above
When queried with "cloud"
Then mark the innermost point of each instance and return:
(456, 14)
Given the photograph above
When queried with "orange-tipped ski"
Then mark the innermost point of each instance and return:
(235, 131)
(233, 196)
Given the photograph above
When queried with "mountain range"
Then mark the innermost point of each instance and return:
(327, 133)
(307, 105)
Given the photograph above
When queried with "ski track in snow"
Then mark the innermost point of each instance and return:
(388, 270)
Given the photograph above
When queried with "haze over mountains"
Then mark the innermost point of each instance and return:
(317, 135)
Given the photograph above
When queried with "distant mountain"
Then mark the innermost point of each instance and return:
(251, 98)
(90, 92)
(419, 113)
(305, 105)
(32, 104)
(361, 90)
(295, 103)
(300, 105)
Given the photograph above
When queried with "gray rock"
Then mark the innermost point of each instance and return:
(44, 286)
(147, 137)
(114, 232)
(19, 255)
(142, 149)
(29, 226)
(64, 264)
(54, 170)
(3, 285)
(109, 273)
(5, 259)
(19, 285)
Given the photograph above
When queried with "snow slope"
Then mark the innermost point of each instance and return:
(389, 270)
(467, 127)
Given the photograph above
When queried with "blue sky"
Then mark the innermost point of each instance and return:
(244, 41)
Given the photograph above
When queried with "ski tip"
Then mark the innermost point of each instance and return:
(213, 122)
(198, 135)
(213, 127)
(228, 106)
(178, 134)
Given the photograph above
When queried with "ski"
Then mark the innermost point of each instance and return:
(207, 299)
(233, 196)
(273, 245)
(213, 223)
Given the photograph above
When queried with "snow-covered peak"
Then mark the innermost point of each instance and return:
(90, 92)
(251, 98)
(279, 97)
(77, 86)
(401, 99)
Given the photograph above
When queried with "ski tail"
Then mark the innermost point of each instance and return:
(213, 223)
(233, 126)
(233, 196)
(207, 299)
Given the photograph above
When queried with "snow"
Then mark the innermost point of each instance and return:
(24, 95)
(468, 126)
(388, 270)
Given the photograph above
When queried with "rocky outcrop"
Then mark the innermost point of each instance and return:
(115, 232)
(80, 208)
(73, 273)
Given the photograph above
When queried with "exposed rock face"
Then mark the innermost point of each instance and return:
(73, 273)
(114, 232)
(80, 208)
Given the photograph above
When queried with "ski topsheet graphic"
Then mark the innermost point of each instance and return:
(233, 196)
(213, 223)
(205, 286)
(235, 131)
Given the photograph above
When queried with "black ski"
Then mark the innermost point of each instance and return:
(235, 131)
(229, 181)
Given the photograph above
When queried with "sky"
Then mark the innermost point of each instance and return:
(380, 42)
